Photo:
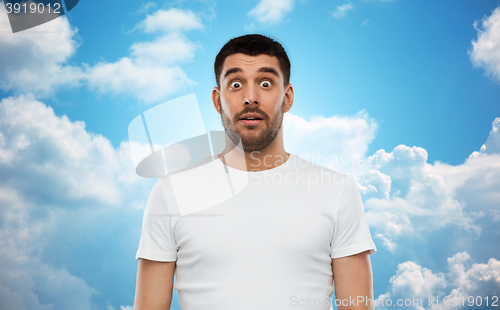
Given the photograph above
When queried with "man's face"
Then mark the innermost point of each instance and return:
(252, 100)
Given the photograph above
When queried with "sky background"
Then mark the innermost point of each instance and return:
(403, 96)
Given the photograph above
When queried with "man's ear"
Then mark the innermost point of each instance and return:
(216, 99)
(288, 97)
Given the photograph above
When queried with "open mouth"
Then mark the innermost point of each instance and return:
(251, 120)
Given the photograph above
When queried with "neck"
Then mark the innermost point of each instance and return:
(272, 156)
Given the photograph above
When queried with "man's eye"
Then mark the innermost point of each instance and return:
(235, 85)
(265, 84)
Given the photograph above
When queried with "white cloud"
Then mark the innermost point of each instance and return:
(166, 50)
(72, 164)
(121, 307)
(60, 290)
(58, 182)
(404, 195)
(145, 82)
(52, 168)
(415, 283)
(152, 71)
(146, 7)
(271, 11)
(485, 51)
(25, 281)
(338, 142)
(171, 20)
(475, 182)
(422, 197)
(388, 243)
(35, 60)
(341, 10)
(492, 145)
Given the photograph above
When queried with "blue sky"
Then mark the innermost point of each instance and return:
(410, 89)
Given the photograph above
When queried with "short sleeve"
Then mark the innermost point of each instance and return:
(157, 238)
(351, 233)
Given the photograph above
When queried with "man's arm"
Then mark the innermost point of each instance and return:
(353, 280)
(154, 285)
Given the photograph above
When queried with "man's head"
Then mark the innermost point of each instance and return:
(253, 45)
(253, 92)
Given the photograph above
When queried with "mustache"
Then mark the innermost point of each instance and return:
(264, 115)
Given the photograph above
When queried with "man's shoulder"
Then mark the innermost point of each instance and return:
(162, 196)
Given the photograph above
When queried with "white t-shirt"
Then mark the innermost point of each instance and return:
(268, 245)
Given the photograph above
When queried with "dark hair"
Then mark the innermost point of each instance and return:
(253, 45)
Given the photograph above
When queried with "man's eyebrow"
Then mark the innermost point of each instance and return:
(232, 70)
(263, 69)
(270, 70)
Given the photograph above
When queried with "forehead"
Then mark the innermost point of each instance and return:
(250, 64)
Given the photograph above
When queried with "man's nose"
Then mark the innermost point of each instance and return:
(251, 96)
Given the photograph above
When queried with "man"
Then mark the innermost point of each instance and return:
(279, 243)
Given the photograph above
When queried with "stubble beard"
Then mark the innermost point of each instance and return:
(250, 140)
